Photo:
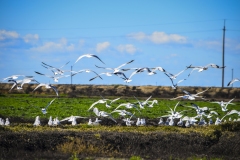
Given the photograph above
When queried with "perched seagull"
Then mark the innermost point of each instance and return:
(190, 96)
(37, 121)
(232, 81)
(203, 68)
(161, 122)
(224, 104)
(12, 77)
(50, 121)
(190, 120)
(95, 123)
(116, 69)
(55, 78)
(44, 110)
(88, 56)
(56, 121)
(47, 86)
(180, 122)
(7, 122)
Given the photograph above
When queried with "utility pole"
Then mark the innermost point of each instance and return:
(223, 49)
(232, 76)
(71, 75)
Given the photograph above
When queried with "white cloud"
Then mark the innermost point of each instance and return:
(102, 46)
(61, 46)
(31, 38)
(129, 48)
(159, 37)
(8, 35)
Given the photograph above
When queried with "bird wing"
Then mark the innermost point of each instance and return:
(202, 91)
(124, 64)
(54, 88)
(49, 103)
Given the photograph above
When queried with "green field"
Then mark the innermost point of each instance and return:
(28, 107)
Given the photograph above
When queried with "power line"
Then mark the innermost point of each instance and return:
(107, 27)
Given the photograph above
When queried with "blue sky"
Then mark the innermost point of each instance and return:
(171, 34)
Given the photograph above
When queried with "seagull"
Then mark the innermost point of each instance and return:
(47, 86)
(85, 70)
(116, 69)
(203, 68)
(95, 123)
(128, 106)
(44, 110)
(174, 86)
(12, 77)
(137, 70)
(50, 121)
(219, 121)
(173, 113)
(99, 101)
(56, 122)
(15, 83)
(37, 121)
(55, 78)
(28, 79)
(190, 96)
(122, 112)
(161, 122)
(88, 56)
(7, 122)
(103, 114)
(72, 119)
(152, 103)
(224, 104)
(174, 76)
(200, 110)
(142, 104)
(180, 122)
(233, 81)
(58, 70)
(152, 71)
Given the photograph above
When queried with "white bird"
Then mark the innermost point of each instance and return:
(174, 76)
(44, 110)
(15, 83)
(152, 103)
(191, 96)
(103, 114)
(161, 122)
(199, 110)
(88, 56)
(224, 104)
(12, 77)
(95, 123)
(180, 122)
(28, 79)
(174, 86)
(50, 121)
(56, 71)
(219, 121)
(138, 70)
(142, 104)
(85, 70)
(7, 122)
(118, 68)
(47, 86)
(203, 68)
(152, 71)
(122, 112)
(55, 78)
(56, 121)
(173, 113)
(233, 81)
(71, 118)
(99, 101)
(191, 120)
(37, 121)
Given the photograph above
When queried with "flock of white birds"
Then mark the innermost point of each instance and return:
(173, 118)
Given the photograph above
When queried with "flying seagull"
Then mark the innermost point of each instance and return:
(232, 81)
(44, 110)
(116, 69)
(88, 56)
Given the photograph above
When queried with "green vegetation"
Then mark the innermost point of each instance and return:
(29, 107)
